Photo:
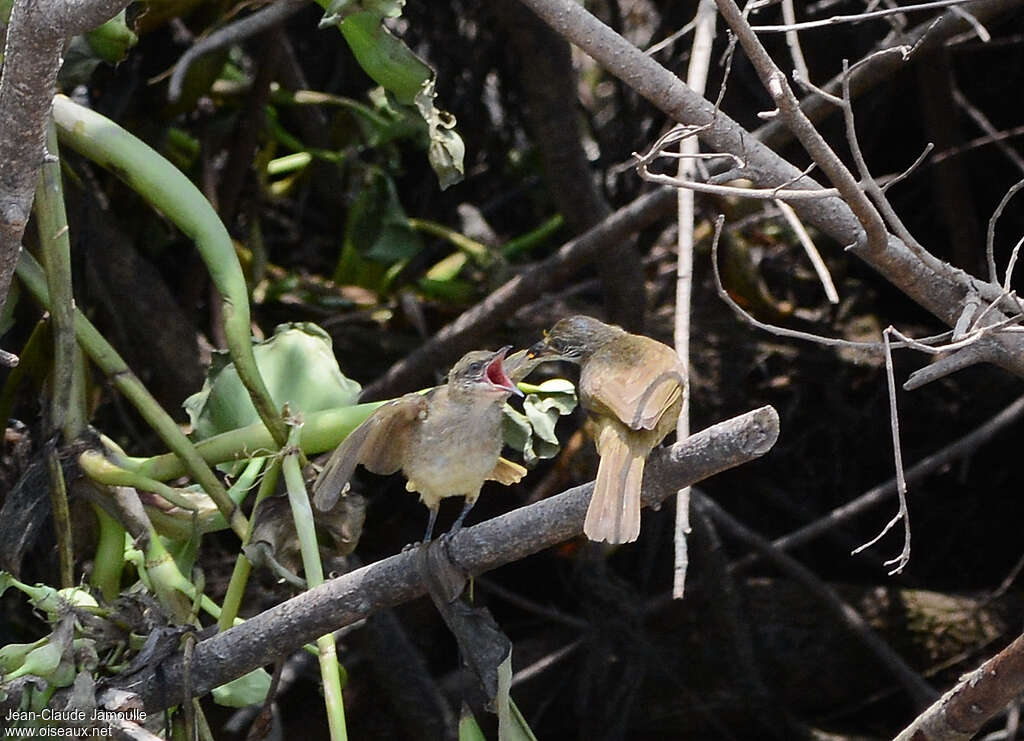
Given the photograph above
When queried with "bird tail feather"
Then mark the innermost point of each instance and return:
(614, 511)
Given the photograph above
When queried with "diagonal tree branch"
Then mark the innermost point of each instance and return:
(520, 533)
(938, 287)
(979, 696)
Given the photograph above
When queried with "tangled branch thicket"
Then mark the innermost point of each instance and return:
(830, 271)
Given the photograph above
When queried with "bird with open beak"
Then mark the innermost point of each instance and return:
(447, 441)
(632, 387)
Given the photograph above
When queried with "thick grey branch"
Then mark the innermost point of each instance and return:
(35, 43)
(520, 533)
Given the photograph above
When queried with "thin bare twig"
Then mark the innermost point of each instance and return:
(820, 269)
(960, 448)
(995, 138)
(979, 29)
(696, 78)
(793, 42)
(1011, 264)
(766, 194)
(990, 238)
(903, 513)
(858, 17)
(906, 173)
(812, 141)
(871, 186)
(991, 133)
(233, 33)
(544, 663)
(670, 39)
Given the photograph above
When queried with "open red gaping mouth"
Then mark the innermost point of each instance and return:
(497, 376)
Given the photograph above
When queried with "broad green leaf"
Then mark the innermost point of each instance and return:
(299, 368)
(533, 432)
(248, 689)
(113, 40)
(385, 58)
(377, 236)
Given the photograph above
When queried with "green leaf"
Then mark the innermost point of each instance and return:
(533, 432)
(377, 233)
(385, 58)
(249, 689)
(113, 40)
(469, 729)
(299, 368)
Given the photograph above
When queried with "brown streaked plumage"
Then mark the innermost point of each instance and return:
(632, 387)
(447, 441)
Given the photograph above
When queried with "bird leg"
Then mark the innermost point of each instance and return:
(462, 516)
(430, 525)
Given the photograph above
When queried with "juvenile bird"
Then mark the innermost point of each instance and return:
(447, 441)
(632, 386)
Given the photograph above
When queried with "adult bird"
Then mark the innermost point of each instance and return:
(447, 441)
(632, 387)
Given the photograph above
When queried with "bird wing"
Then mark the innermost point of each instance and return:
(379, 443)
(636, 393)
(506, 472)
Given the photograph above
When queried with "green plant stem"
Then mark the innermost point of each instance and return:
(112, 364)
(302, 513)
(526, 242)
(181, 526)
(163, 577)
(479, 252)
(55, 256)
(322, 431)
(109, 559)
(167, 189)
(240, 574)
(99, 469)
(55, 252)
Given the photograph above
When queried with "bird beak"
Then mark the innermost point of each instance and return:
(539, 350)
(496, 373)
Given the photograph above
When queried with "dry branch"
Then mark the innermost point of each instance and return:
(522, 532)
(960, 713)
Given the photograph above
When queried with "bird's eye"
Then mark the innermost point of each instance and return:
(476, 367)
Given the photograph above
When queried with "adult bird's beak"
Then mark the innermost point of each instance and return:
(496, 373)
(539, 350)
